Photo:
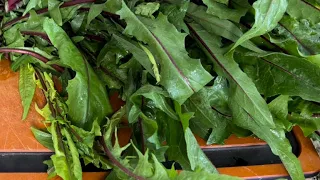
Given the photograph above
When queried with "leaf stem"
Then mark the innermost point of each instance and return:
(116, 162)
(31, 53)
(34, 33)
(44, 10)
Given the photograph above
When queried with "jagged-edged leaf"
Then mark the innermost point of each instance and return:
(220, 27)
(27, 87)
(275, 138)
(197, 158)
(297, 37)
(158, 97)
(76, 165)
(85, 104)
(176, 12)
(181, 75)
(304, 9)
(278, 73)
(267, 15)
(245, 91)
(62, 166)
(224, 12)
(147, 9)
(136, 51)
(207, 118)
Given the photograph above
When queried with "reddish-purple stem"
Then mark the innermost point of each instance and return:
(40, 34)
(115, 162)
(31, 53)
(44, 10)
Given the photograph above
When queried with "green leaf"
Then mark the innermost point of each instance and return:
(224, 12)
(181, 75)
(147, 9)
(158, 97)
(143, 168)
(59, 159)
(306, 10)
(31, 5)
(297, 37)
(267, 15)
(153, 62)
(136, 51)
(245, 92)
(150, 132)
(76, 165)
(306, 123)
(202, 175)
(282, 74)
(217, 26)
(54, 11)
(43, 137)
(176, 12)
(13, 37)
(85, 104)
(95, 10)
(275, 138)
(205, 117)
(279, 109)
(198, 160)
(27, 87)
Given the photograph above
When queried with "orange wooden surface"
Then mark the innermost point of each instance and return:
(15, 136)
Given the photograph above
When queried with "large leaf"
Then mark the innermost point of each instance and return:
(88, 99)
(180, 75)
(220, 27)
(245, 92)
(274, 137)
(224, 12)
(27, 87)
(277, 73)
(297, 37)
(267, 15)
(304, 9)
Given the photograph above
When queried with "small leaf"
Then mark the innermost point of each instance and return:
(147, 9)
(224, 12)
(95, 10)
(43, 137)
(27, 87)
(54, 11)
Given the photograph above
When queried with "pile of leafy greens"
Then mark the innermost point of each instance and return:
(209, 68)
